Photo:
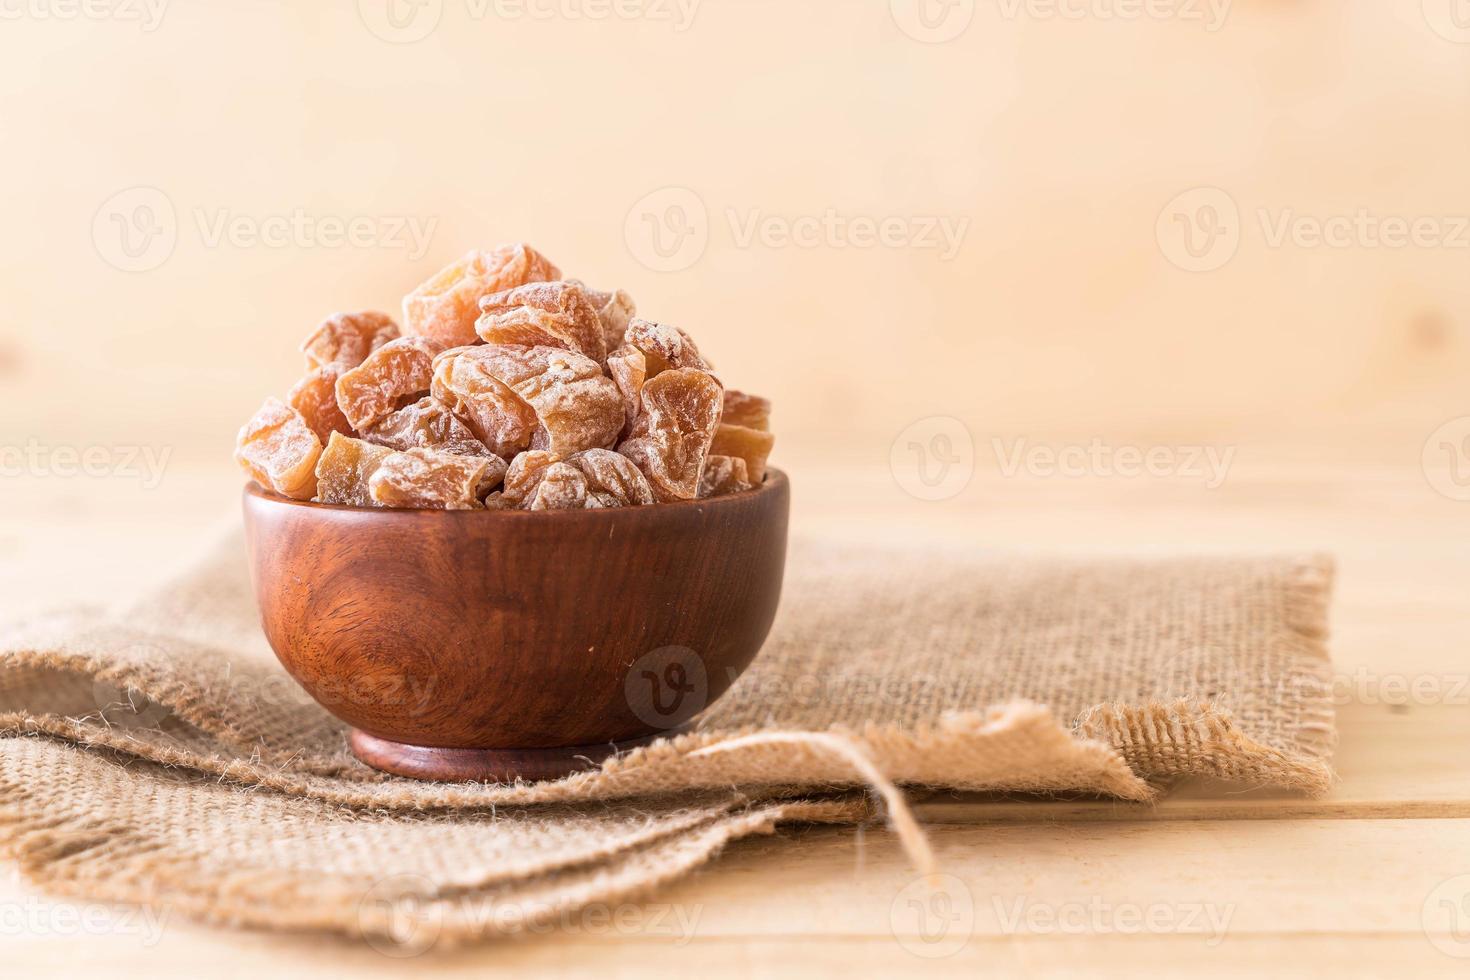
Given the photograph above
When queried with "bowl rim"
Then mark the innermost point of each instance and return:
(775, 481)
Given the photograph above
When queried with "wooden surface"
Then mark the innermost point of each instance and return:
(1212, 880)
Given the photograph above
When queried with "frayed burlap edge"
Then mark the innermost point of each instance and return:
(1017, 747)
(53, 853)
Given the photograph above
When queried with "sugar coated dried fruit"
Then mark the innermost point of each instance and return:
(612, 479)
(629, 369)
(722, 475)
(279, 450)
(575, 406)
(428, 478)
(426, 424)
(315, 397)
(590, 480)
(491, 410)
(751, 445)
(348, 338)
(344, 469)
(578, 415)
(751, 411)
(445, 307)
(522, 478)
(511, 387)
(394, 375)
(551, 314)
(673, 434)
(614, 310)
(528, 371)
(663, 346)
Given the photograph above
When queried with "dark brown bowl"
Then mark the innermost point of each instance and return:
(496, 644)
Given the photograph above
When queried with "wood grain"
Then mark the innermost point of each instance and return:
(1320, 887)
(518, 630)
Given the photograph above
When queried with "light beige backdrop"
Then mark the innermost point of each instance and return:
(188, 187)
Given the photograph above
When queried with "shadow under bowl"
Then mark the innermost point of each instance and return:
(495, 645)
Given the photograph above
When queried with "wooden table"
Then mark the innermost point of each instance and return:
(1375, 878)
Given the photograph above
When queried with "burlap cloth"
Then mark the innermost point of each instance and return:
(161, 755)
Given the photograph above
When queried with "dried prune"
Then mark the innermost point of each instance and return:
(629, 369)
(614, 310)
(577, 415)
(561, 487)
(496, 416)
(426, 424)
(590, 480)
(751, 411)
(394, 375)
(664, 347)
(523, 476)
(344, 469)
(315, 397)
(279, 450)
(722, 475)
(428, 478)
(575, 406)
(551, 314)
(446, 306)
(348, 338)
(673, 433)
(612, 479)
(751, 445)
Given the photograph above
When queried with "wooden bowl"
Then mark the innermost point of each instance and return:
(502, 644)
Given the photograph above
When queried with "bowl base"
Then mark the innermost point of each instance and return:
(487, 765)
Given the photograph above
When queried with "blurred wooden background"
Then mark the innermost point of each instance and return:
(1055, 142)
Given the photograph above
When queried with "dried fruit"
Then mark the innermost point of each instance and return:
(681, 411)
(428, 478)
(528, 371)
(394, 375)
(751, 411)
(507, 374)
(722, 475)
(348, 338)
(315, 397)
(665, 347)
(751, 445)
(596, 478)
(562, 487)
(629, 369)
(575, 406)
(522, 478)
(612, 479)
(426, 424)
(551, 314)
(614, 310)
(279, 450)
(578, 415)
(494, 414)
(344, 469)
(446, 306)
